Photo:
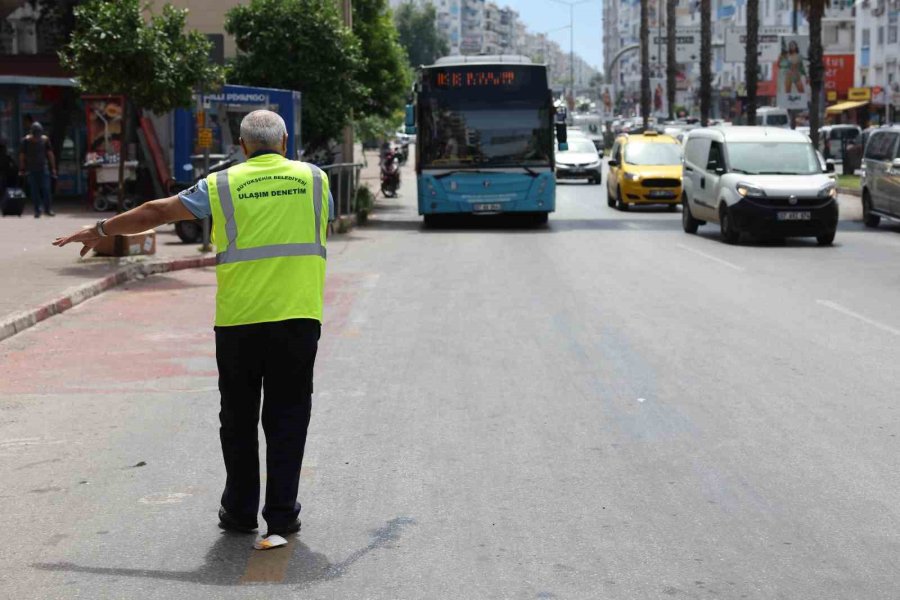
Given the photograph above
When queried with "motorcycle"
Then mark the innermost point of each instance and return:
(390, 174)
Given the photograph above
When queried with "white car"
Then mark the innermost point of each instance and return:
(762, 180)
(580, 161)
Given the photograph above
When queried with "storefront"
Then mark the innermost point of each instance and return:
(50, 102)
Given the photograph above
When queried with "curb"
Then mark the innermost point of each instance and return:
(18, 322)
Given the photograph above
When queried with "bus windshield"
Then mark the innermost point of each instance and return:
(475, 117)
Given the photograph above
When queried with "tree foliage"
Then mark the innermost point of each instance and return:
(156, 64)
(419, 34)
(300, 45)
(386, 74)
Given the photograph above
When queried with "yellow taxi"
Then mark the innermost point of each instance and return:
(644, 168)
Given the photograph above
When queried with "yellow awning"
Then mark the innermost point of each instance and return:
(842, 106)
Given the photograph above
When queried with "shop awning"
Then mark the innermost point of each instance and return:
(842, 106)
(26, 80)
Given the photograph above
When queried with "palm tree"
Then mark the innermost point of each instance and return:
(751, 61)
(671, 65)
(645, 62)
(814, 9)
(705, 61)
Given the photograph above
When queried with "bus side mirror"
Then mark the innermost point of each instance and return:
(562, 137)
(410, 119)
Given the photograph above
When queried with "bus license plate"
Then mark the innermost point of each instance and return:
(798, 215)
(486, 207)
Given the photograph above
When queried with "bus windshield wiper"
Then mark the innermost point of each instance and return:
(455, 171)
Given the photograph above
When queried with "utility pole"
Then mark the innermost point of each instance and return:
(572, 5)
(347, 146)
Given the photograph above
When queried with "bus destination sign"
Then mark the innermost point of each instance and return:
(476, 79)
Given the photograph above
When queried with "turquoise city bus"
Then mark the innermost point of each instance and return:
(485, 130)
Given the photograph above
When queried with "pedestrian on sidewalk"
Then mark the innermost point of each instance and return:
(8, 170)
(269, 226)
(35, 155)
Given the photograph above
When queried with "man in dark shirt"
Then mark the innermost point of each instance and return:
(35, 154)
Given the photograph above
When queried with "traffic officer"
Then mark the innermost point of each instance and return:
(269, 217)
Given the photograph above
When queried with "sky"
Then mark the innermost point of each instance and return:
(541, 16)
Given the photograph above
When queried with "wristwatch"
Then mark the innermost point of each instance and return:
(100, 231)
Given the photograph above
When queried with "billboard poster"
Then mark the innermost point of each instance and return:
(607, 100)
(769, 41)
(793, 72)
(838, 74)
(660, 107)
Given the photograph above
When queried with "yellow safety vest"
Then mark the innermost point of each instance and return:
(269, 224)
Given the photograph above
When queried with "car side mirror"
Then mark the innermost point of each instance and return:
(720, 170)
(613, 162)
(895, 163)
(563, 146)
(829, 165)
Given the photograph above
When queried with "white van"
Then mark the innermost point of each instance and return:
(765, 181)
(772, 116)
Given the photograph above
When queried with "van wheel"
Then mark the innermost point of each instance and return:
(688, 222)
(825, 239)
(730, 234)
(869, 220)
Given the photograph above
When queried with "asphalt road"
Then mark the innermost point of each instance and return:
(605, 408)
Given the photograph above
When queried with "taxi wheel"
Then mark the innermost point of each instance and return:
(610, 201)
(619, 204)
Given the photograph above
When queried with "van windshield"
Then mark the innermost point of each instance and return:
(773, 158)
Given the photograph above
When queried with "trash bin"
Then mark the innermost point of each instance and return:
(852, 158)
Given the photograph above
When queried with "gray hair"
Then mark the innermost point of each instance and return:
(263, 128)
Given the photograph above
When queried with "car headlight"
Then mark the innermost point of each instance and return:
(594, 164)
(563, 165)
(632, 177)
(829, 190)
(748, 190)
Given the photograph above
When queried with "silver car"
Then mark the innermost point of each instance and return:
(881, 182)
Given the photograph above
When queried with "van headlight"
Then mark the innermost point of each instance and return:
(632, 177)
(748, 190)
(829, 190)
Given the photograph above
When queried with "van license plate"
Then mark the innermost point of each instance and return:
(486, 207)
(798, 215)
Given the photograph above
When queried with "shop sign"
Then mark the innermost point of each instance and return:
(831, 96)
(205, 137)
(838, 74)
(859, 94)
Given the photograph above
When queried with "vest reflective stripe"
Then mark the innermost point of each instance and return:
(276, 251)
(232, 254)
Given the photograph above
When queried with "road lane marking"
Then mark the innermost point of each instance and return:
(855, 315)
(711, 257)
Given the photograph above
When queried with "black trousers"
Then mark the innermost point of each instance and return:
(276, 359)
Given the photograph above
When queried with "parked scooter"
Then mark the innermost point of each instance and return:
(390, 173)
(191, 232)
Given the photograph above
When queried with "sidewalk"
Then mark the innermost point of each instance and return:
(35, 273)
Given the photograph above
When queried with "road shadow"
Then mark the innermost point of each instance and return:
(511, 224)
(226, 562)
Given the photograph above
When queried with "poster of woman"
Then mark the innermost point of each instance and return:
(793, 78)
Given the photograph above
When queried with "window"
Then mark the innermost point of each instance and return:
(882, 146)
(716, 159)
(696, 150)
(865, 38)
(892, 34)
(881, 35)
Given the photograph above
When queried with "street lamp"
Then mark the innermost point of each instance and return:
(572, 6)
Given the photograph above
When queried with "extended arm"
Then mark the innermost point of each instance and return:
(51, 158)
(146, 216)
